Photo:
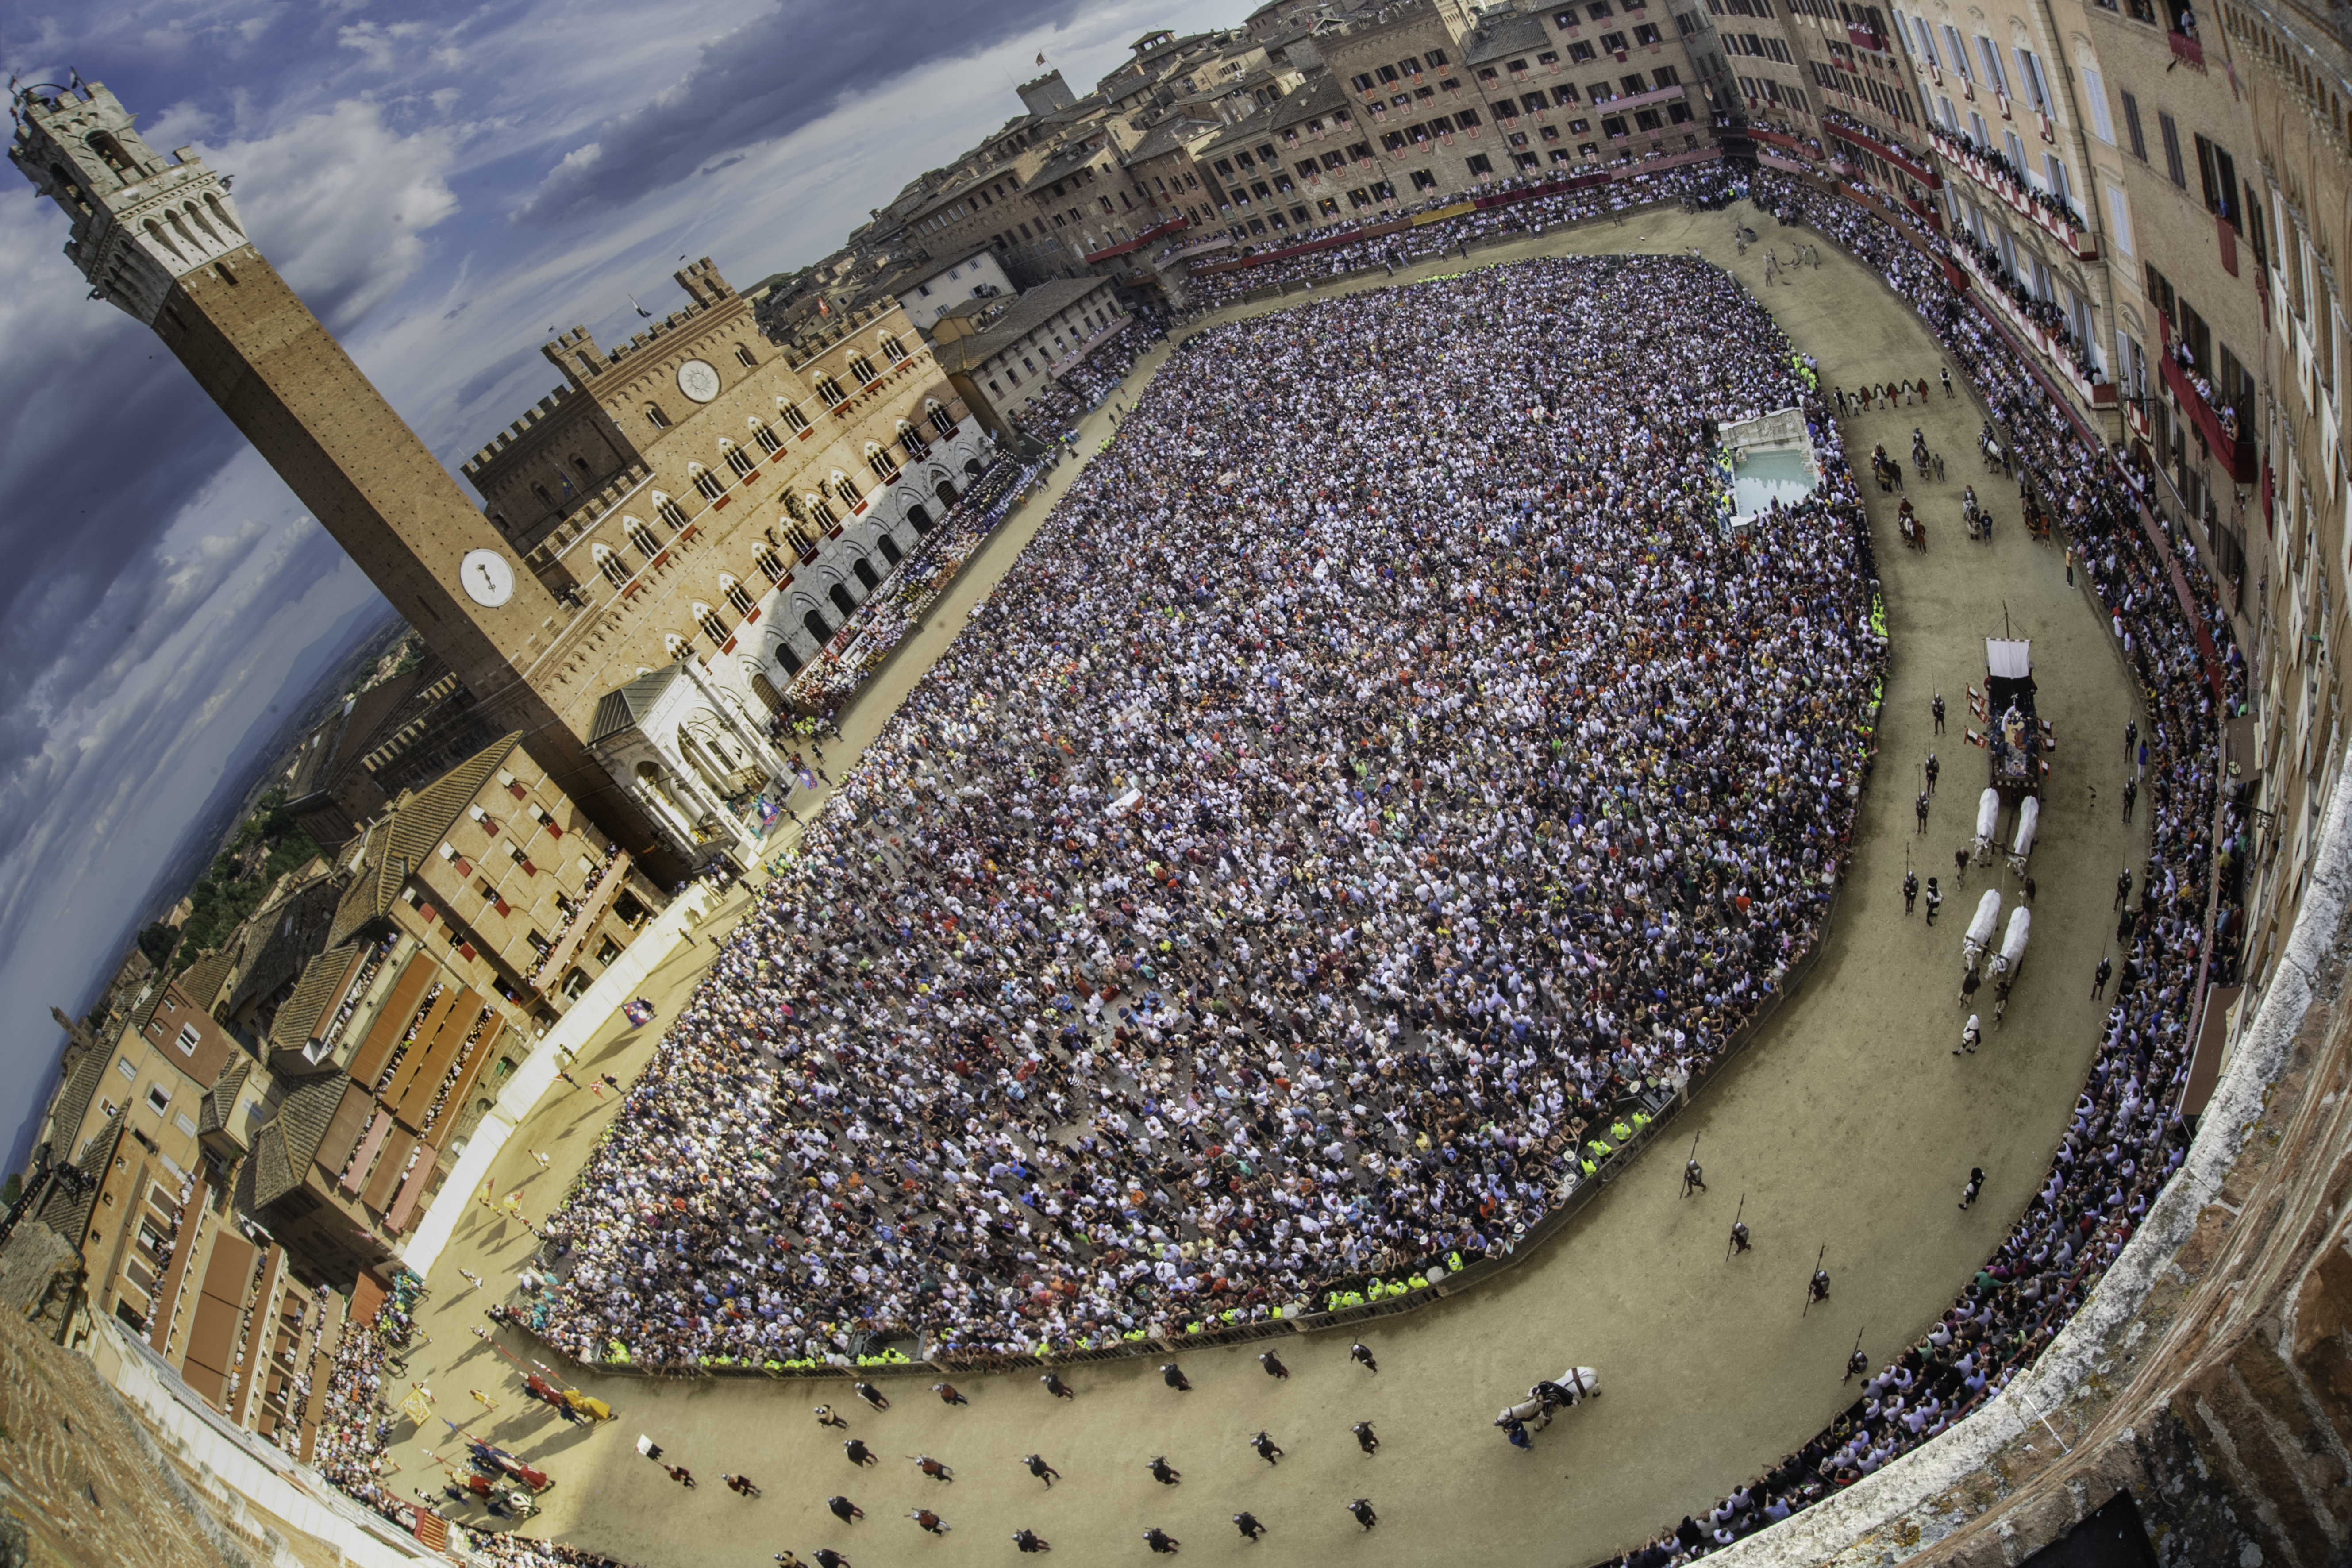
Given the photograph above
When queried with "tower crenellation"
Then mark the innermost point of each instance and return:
(142, 222)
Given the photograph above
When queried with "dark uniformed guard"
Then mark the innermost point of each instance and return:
(1856, 1365)
(1362, 1508)
(1937, 708)
(1366, 1438)
(1056, 1387)
(1910, 889)
(1934, 768)
(1268, 1449)
(2099, 976)
(2123, 888)
(1042, 1470)
(1693, 1177)
(1738, 1236)
(1247, 1523)
(1920, 808)
(1166, 1474)
(1935, 899)
(1820, 1285)
(1273, 1364)
(1030, 1541)
(1160, 1540)
(1361, 1355)
(1173, 1376)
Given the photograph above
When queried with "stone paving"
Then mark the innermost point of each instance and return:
(1848, 1123)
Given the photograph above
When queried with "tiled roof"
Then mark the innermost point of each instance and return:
(321, 983)
(204, 979)
(413, 830)
(1024, 313)
(1517, 34)
(303, 1115)
(625, 706)
(285, 933)
(73, 1100)
(221, 1099)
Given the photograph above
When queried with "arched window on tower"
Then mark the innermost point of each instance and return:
(877, 459)
(736, 594)
(545, 500)
(791, 415)
(846, 489)
(220, 215)
(745, 357)
(941, 421)
(892, 350)
(641, 538)
(615, 572)
(912, 440)
(656, 418)
(737, 459)
(830, 390)
(820, 510)
(706, 481)
(676, 646)
(580, 463)
(669, 511)
(771, 565)
(766, 437)
(861, 369)
(712, 626)
(155, 233)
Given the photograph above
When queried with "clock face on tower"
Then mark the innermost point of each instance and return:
(488, 576)
(697, 380)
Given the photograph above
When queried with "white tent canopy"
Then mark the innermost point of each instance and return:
(2009, 659)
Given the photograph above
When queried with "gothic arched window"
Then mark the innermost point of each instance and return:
(640, 537)
(736, 594)
(669, 511)
(707, 482)
(737, 459)
(615, 572)
(712, 626)
(656, 418)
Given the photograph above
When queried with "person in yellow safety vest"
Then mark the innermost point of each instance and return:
(1620, 1132)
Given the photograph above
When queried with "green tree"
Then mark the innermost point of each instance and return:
(157, 942)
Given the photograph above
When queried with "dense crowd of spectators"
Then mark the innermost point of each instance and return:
(2125, 1138)
(1053, 414)
(1704, 184)
(1384, 764)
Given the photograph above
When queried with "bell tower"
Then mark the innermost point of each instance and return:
(161, 238)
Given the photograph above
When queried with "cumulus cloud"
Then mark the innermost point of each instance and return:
(767, 79)
(341, 201)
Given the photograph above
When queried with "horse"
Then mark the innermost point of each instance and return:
(1982, 927)
(2021, 848)
(1578, 1384)
(1987, 824)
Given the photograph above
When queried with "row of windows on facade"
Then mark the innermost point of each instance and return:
(830, 393)
(1097, 319)
(810, 514)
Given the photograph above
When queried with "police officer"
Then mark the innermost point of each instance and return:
(2123, 888)
(2099, 976)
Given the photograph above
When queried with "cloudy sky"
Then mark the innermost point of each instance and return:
(443, 182)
